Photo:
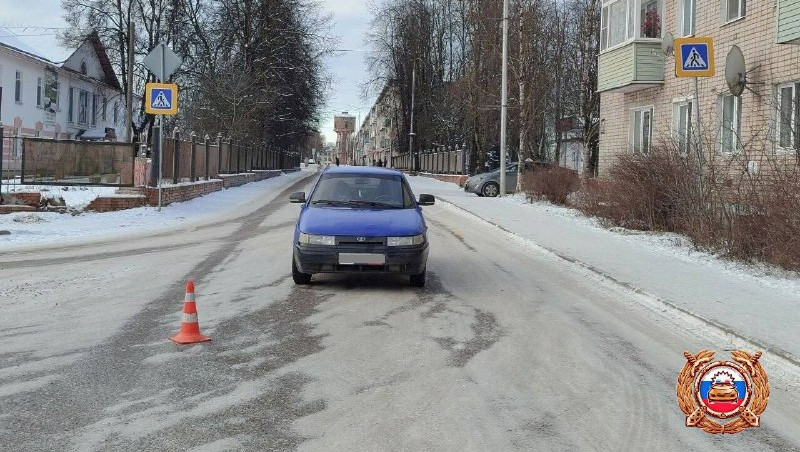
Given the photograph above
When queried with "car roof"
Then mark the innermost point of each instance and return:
(366, 170)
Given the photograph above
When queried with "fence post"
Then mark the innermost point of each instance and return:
(238, 158)
(193, 158)
(1, 157)
(219, 153)
(176, 136)
(208, 155)
(230, 155)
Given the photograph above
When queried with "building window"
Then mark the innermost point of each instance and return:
(71, 105)
(18, 88)
(686, 15)
(641, 129)
(116, 112)
(624, 20)
(732, 9)
(16, 144)
(83, 107)
(39, 92)
(730, 123)
(105, 107)
(787, 116)
(83, 68)
(682, 125)
(94, 110)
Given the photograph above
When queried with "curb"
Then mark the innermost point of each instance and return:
(666, 304)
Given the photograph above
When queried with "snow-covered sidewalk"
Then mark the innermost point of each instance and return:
(50, 228)
(761, 305)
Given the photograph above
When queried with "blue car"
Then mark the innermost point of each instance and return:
(360, 220)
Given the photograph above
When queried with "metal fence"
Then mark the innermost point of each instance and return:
(439, 161)
(58, 162)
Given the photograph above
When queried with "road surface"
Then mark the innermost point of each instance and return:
(508, 348)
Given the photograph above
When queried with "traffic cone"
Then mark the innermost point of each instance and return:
(190, 329)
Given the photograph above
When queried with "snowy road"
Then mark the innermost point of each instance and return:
(509, 348)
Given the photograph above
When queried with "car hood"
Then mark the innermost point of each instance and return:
(366, 222)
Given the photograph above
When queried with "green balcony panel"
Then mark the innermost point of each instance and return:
(631, 67)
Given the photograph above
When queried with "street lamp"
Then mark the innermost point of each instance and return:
(411, 125)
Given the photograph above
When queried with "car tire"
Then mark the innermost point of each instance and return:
(299, 277)
(418, 280)
(490, 189)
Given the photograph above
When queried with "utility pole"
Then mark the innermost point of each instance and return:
(411, 127)
(129, 94)
(522, 125)
(504, 102)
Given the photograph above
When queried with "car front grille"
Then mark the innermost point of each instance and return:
(360, 241)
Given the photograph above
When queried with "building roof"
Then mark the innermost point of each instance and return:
(10, 41)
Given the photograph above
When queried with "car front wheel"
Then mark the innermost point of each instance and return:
(418, 280)
(299, 277)
(490, 189)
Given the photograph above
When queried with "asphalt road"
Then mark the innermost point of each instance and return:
(508, 348)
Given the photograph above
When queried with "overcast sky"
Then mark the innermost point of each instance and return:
(348, 70)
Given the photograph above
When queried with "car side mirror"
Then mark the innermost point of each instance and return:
(297, 197)
(426, 200)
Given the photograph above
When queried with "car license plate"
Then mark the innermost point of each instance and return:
(361, 259)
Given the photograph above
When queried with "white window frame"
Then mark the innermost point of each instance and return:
(105, 108)
(792, 120)
(71, 105)
(724, 10)
(633, 134)
(632, 23)
(683, 141)
(83, 107)
(682, 5)
(18, 87)
(94, 110)
(736, 126)
(39, 92)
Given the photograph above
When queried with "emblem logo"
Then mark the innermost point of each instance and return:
(737, 390)
(361, 239)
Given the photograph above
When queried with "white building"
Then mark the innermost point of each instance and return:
(80, 98)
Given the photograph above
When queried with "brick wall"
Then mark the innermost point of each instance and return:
(457, 179)
(116, 202)
(27, 198)
(180, 193)
(755, 36)
(266, 174)
(235, 180)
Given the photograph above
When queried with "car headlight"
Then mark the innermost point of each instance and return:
(311, 239)
(406, 241)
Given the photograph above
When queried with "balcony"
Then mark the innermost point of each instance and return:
(788, 18)
(633, 66)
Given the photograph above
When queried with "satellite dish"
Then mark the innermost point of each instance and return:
(668, 43)
(735, 71)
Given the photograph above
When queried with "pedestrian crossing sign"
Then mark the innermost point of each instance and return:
(694, 57)
(162, 98)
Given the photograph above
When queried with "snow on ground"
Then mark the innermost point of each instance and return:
(37, 228)
(756, 302)
(75, 197)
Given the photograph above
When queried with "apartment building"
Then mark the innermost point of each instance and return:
(644, 105)
(377, 137)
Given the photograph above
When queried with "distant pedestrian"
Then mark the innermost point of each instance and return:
(380, 162)
(337, 161)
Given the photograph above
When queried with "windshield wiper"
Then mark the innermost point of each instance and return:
(332, 202)
(375, 204)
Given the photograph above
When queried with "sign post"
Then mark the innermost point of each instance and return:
(694, 57)
(162, 98)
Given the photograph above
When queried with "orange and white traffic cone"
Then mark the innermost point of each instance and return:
(190, 329)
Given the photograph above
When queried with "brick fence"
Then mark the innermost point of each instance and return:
(457, 179)
(183, 192)
(116, 202)
(26, 198)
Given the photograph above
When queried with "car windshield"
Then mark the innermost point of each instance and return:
(355, 190)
